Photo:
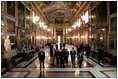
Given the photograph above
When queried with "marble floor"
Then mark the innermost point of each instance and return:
(89, 69)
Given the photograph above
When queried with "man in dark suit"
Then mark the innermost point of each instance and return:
(66, 53)
(56, 46)
(80, 58)
(101, 54)
(61, 57)
(57, 52)
(73, 53)
(60, 46)
(41, 56)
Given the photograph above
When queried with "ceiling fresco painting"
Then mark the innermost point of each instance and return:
(59, 11)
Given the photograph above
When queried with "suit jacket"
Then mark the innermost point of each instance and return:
(41, 55)
(73, 54)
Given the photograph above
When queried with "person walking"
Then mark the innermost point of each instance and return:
(73, 53)
(80, 59)
(41, 56)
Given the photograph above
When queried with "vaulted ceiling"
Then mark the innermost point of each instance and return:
(59, 11)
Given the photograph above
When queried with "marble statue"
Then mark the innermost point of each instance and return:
(7, 44)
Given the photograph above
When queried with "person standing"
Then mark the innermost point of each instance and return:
(61, 57)
(73, 53)
(81, 48)
(101, 54)
(64, 44)
(57, 52)
(51, 54)
(88, 51)
(80, 59)
(41, 56)
(56, 46)
(66, 54)
(60, 46)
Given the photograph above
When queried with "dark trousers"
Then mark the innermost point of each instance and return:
(66, 59)
(41, 64)
(57, 60)
(80, 63)
(73, 61)
(62, 62)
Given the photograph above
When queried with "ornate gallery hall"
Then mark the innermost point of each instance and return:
(58, 39)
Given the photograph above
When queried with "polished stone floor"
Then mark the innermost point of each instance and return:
(31, 69)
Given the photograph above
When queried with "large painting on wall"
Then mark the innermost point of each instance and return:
(93, 14)
(11, 8)
(101, 14)
(113, 26)
(21, 14)
(27, 16)
(113, 41)
(24, 40)
(21, 34)
(10, 26)
(113, 7)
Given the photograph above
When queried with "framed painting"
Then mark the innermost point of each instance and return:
(101, 14)
(113, 24)
(27, 16)
(113, 41)
(11, 8)
(21, 14)
(93, 14)
(113, 7)
(21, 35)
(10, 26)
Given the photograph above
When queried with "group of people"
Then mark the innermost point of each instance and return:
(60, 56)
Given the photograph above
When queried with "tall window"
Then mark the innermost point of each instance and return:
(86, 17)
(33, 17)
(59, 39)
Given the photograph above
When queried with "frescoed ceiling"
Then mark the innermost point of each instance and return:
(59, 11)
